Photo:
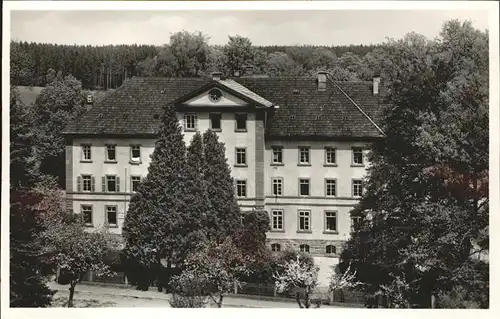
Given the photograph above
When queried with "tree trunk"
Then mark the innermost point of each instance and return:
(219, 303)
(307, 302)
(72, 286)
(297, 297)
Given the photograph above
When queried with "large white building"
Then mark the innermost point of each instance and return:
(296, 146)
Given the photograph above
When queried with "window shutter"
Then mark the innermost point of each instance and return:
(79, 183)
(117, 183)
(104, 183)
(92, 185)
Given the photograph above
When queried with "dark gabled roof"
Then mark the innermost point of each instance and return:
(136, 107)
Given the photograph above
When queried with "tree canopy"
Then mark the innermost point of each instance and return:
(425, 209)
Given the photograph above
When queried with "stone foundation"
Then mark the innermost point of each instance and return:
(317, 248)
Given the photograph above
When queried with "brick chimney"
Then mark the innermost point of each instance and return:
(216, 76)
(376, 83)
(321, 81)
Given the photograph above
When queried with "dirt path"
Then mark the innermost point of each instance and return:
(97, 296)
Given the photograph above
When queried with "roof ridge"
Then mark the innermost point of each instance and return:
(357, 106)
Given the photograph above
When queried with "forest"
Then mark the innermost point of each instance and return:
(186, 54)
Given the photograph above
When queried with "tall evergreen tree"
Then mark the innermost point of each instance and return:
(225, 214)
(195, 197)
(157, 211)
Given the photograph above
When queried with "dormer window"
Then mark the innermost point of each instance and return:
(215, 95)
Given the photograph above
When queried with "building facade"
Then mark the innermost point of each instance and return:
(297, 148)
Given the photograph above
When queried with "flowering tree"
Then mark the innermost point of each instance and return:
(298, 275)
(343, 280)
(213, 272)
(72, 249)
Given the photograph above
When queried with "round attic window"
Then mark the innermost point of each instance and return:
(215, 95)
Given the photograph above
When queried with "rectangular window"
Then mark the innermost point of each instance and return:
(111, 216)
(241, 156)
(330, 187)
(86, 211)
(357, 188)
(304, 155)
(277, 220)
(357, 156)
(241, 122)
(111, 152)
(190, 121)
(241, 188)
(330, 156)
(330, 221)
(277, 155)
(86, 152)
(134, 181)
(87, 183)
(277, 186)
(304, 187)
(215, 121)
(111, 183)
(304, 220)
(135, 153)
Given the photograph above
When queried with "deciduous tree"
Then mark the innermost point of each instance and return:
(425, 209)
(300, 276)
(215, 269)
(68, 245)
(59, 102)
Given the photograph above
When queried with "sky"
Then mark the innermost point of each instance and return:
(320, 27)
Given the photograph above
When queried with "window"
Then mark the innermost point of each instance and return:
(357, 188)
(304, 248)
(87, 214)
(86, 183)
(241, 156)
(304, 187)
(241, 122)
(304, 220)
(277, 186)
(111, 216)
(330, 187)
(86, 152)
(330, 249)
(330, 221)
(215, 95)
(190, 122)
(134, 181)
(111, 183)
(355, 220)
(275, 247)
(330, 156)
(135, 153)
(277, 220)
(304, 155)
(215, 121)
(111, 153)
(277, 155)
(357, 156)
(241, 188)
